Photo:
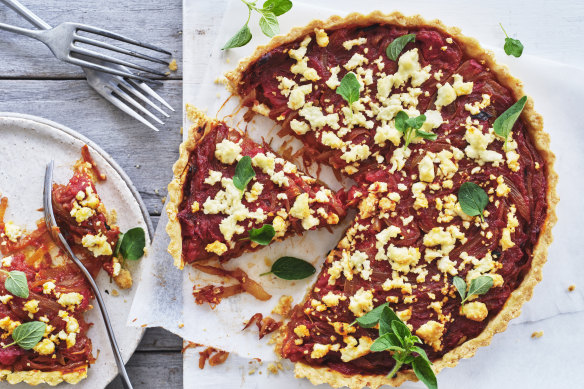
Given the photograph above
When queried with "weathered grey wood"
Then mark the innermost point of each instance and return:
(158, 339)
(146, 156)
(153, 370)
(154, 21)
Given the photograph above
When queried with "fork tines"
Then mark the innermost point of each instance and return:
(93, 54)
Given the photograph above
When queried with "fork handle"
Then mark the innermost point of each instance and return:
(22, 31)
(26, 13)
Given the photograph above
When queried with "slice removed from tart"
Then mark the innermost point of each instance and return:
(86, 224)
(211, 217)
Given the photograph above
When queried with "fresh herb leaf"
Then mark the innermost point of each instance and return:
(460, 286)
(241, 38)
(396, 337)
(512, 46)
(28, 335)
(480, 285)
(243, 173)
(269, 24)
(133, 243)
(371, 318)
(396, 46)
(291, 268)
(424, 372)
(426, 135)
(410, 127)
(349, 88)
(277, 7)
(504, 123)
(262, 235)
(268, 21)
(16, 283)
(473, 199)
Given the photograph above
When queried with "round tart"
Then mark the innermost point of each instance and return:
(412, 236)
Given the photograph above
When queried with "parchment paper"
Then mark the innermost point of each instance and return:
(558, 93)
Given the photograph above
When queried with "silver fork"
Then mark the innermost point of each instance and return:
(64, 40)
(116, 89)
(60, 239)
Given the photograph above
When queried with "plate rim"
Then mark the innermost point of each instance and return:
(109, 159)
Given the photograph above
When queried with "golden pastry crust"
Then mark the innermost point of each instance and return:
(541, 140)
(36, 377)
(202, 125)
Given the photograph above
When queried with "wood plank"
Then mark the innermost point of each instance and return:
(153, 371)
(152, 21)
(158, 339)
(145, 155)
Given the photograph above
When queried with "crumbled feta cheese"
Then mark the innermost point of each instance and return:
(227, 151)
(361, 302)
(97, 244)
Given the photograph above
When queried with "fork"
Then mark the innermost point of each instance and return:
(51, 223)
(113, 88)
(64, 40)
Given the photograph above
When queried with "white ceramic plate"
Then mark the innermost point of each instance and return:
(27, 143)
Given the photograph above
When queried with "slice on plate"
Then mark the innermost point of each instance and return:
(85, 223)
(424, 120)
(214, 212)
(54, 297)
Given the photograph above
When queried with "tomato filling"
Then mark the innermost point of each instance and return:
(200, 227)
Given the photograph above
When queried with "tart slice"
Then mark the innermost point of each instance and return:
(211, 217)
(57, 295)
(88, 227)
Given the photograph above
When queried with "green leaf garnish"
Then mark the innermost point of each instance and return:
(262, 235)
(291, 268)
(133, 243)
(473, 199)
(504, 123)
(277, 7)
(396, 46)
(243, 173)
(28, 335)
(512, 46)
(395, 336)
(349, 88)
(16, 283)
(410, 127)
(478, 286)
(424, 372)
(269, 24)
(268, 21)
(241, 38)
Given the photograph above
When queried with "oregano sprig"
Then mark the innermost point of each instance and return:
(16, 283)
(512, 46)
(28, 335)
(262, 235)
(504, 123)
(473, 199)
(396, 46)
(396, 337)
(410, 127)
(269, 12)
(349, 88)
(291, 268)
(131, 244)
(244, 173)
(477, 287)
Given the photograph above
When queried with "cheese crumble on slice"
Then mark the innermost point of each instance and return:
(361, 302)
(431, 333)
(348, 45)
(355, 349)
(97, 244)
(227, 151)
(475, 310)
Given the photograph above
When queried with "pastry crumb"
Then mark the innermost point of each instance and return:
(274, 368)
(537, 334)
(115, 292)
(163, 199)
(181, 325)
(571, 288)
(284, 306)
(173, 65)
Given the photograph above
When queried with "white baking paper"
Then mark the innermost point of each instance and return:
(27, 145)
(557, 90)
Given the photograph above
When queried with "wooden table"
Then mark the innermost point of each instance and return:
(32, 81)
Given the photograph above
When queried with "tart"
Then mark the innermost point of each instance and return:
(209, 217)
(411, 236)
(58, 296)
